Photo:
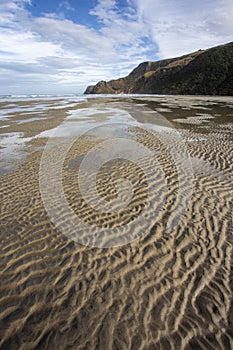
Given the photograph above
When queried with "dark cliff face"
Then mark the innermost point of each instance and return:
(205, 72)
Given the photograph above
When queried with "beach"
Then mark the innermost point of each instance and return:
(142, 259)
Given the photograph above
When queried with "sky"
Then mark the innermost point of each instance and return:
(61, 46)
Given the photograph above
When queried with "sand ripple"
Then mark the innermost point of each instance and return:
(166, 290)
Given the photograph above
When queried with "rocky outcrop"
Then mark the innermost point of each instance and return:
(205, 72)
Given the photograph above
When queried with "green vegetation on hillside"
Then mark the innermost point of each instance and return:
(205, 72)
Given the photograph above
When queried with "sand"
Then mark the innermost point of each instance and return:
(168, 285)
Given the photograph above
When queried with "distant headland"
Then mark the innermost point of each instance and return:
(204, 72)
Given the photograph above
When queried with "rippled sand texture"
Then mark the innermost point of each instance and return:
(164, 290)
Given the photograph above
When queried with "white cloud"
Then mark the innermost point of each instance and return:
(79, 39)
(56, 49)
(124, 29)
(25, 46)
(65, 5)
(179, 27)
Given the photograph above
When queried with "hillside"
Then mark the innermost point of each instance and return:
(205, 72)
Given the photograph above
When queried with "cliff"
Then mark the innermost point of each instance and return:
(205, 72)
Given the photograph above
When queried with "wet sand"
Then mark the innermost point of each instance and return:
(164, 289)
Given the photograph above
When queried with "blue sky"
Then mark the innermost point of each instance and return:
(61, 46)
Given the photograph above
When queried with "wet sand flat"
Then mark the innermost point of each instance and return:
(152, 273)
